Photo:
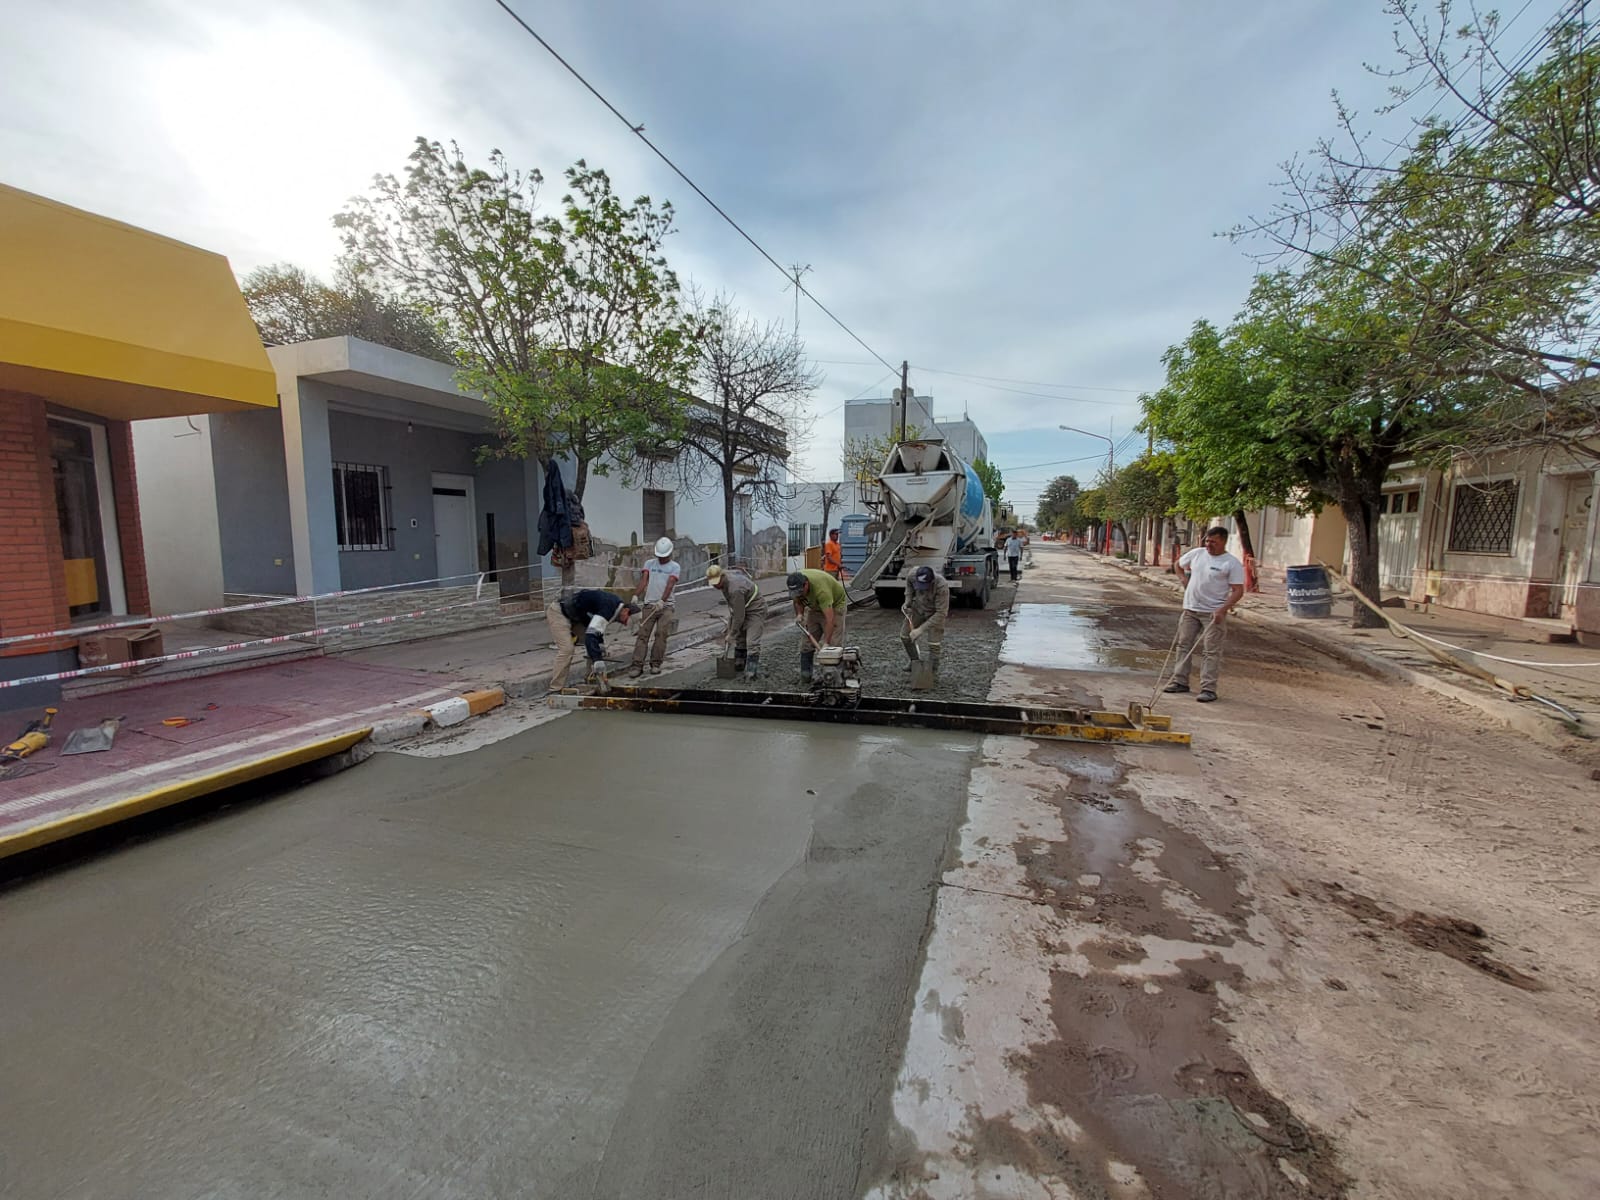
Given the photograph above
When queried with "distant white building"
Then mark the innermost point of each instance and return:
(875, 418)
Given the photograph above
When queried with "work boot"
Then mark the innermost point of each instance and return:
(740, 657)
(934, 653)
(807, 658)
(635, 671)
(1176, 687)
(752, 666)
(912, 653)
(655, 668)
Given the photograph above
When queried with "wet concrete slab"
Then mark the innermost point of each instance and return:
(617, 955)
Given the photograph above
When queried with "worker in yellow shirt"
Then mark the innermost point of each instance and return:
(820, 602)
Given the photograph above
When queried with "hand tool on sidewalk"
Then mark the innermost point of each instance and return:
(180, 722)
(93, 739)
(34, 739)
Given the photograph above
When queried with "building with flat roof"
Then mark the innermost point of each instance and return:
(870, 418)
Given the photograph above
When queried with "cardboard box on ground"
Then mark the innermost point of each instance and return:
(120, 646)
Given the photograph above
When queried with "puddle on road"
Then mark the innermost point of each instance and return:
(1162, 930)
(1072, 639)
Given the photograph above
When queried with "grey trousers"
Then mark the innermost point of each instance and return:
(1197, 631)
(657, 622)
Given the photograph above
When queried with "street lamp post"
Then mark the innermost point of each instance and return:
(1111, 468)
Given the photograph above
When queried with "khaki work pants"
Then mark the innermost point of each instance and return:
(813, 622)
(562, 635)
(1196, 630)
(933, 631)
(653, 621)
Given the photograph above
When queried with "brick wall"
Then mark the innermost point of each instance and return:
(33, 589)
(125, 488)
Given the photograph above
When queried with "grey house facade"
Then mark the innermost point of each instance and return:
(369, 474)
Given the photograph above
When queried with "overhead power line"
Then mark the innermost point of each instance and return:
(1077, 387)
(792, 278)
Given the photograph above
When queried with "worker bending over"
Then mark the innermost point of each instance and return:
(926, 610)
(657, 581)
(819, 607)
(746, 617)
(583, 614)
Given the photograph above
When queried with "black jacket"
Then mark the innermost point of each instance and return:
(559, 512)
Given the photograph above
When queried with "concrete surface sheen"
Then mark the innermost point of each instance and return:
(585, 961)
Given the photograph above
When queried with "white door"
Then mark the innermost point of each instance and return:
(1397, 538)
(1574, 536)
(455, 528)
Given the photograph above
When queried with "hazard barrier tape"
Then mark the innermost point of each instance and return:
(79, 631)
(182, 655)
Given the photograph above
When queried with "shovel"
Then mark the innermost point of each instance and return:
(727, 667)
(93, 739)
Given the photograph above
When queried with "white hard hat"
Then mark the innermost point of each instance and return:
(664, 548)
(714, 575)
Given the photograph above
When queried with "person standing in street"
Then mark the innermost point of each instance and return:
(820, 602)
(657, 581)
(833, 555)
(1213, 584)
(926, 610)
(1014, 547)
(746, 617)
(584, 614)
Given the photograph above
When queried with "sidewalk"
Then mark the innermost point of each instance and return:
(1560, 673)
(260, 718)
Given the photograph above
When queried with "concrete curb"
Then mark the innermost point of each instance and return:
(1531, 723)
(440, 715)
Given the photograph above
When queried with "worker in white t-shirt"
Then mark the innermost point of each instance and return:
(1213, 583)
(657, 581)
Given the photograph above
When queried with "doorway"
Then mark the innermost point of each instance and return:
(1578, 500)
(91, 552)
(455, 528)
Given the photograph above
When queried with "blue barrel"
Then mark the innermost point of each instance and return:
(1309, 592)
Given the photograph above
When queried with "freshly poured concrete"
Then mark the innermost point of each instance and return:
(616, 956)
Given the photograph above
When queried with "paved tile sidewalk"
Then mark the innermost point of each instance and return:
(249, 716)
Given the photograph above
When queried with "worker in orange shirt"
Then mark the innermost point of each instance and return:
(833, 555)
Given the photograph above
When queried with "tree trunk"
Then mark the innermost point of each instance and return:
(727, 515)
(1243, 523)
(580, 477)
(1361, 516)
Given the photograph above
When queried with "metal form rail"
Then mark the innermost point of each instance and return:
(1134, 726)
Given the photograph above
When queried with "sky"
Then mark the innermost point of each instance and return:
(1022, 200)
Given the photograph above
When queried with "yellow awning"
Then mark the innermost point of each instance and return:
(121, 322)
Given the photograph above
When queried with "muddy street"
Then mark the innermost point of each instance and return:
(1341, 948)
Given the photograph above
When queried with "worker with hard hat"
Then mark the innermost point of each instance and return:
(584, 614)
(820, 602)
(926, 610)
(746, 617)
(657, 581)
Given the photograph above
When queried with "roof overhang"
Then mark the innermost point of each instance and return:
(380, 371)
(121, 322)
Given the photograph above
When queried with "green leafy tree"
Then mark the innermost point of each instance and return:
(1485, 234)
(569, 323)
(1058, 505)
(994, 485)
(289, 304)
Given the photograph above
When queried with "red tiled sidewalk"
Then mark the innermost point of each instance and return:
(251, 717)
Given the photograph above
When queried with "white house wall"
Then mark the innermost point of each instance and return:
(178, 513)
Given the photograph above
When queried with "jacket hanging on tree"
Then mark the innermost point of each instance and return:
(563, 535)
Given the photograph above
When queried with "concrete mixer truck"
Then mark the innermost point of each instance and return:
(935, 514)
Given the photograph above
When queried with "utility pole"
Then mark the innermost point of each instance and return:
(795, 271)
(905, 395)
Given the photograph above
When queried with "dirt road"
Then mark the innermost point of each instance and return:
(1345, 947)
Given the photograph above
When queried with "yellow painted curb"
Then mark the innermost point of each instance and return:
(175, 793)
(483, 700)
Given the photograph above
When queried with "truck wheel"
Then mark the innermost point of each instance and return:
(980, 598)
(887, 597)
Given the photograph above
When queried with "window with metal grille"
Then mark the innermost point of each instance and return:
(797, 539)
(361, 507)
(1484, 517)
